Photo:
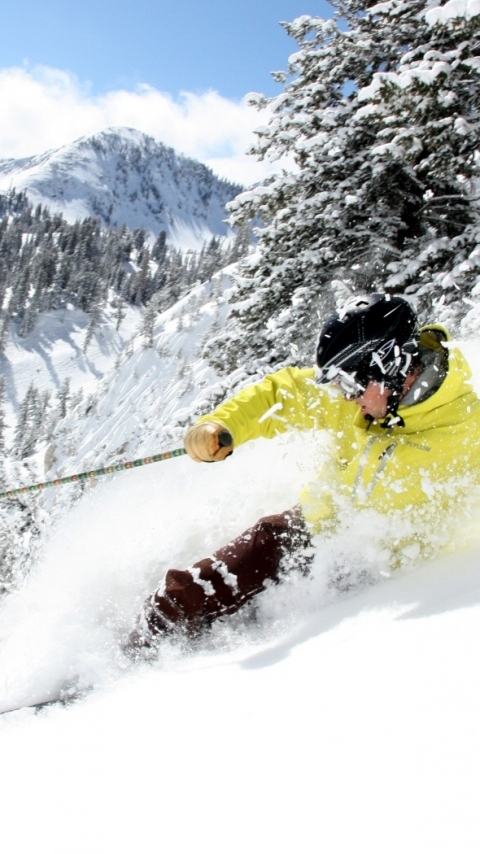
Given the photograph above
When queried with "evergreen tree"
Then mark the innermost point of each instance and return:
(63, 397)
(150, 314)
(26, 433)
(159, 249)
(95, 315)
(119, 305)
(143, 280)
(2, 429)
(46, 264)
(382, 122)
(241, 244)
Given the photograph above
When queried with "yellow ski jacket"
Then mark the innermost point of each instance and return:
(432, 458)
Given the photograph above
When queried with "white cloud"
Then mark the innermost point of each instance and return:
(43, 108)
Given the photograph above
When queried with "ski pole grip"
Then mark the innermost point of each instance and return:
(225, 439)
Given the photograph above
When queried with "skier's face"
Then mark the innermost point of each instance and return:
(374, 400)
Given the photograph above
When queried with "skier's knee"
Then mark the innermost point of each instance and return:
(183, 590)
(273, 525)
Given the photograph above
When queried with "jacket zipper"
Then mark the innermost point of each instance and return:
(384, 458)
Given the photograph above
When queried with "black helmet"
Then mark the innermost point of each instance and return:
(372, 337)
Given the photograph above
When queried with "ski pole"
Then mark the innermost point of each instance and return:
(86, 475)
(224, 438)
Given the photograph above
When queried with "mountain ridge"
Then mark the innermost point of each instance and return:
(125, 177)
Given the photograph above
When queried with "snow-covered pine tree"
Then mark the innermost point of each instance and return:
(382, 122)
(242, 243)
(159, 248)
(47, 264)
(29, 418)
(143, 280)
(433, 131)
(2, 429)
(63, 397)
(149, 316)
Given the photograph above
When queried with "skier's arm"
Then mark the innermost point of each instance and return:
(286, 399)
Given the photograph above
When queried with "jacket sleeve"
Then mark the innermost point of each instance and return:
(287, 399)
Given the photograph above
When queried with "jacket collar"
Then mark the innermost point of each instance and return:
(433, 409)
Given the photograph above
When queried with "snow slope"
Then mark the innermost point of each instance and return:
(125, 177)
(55, 351)
(321, 719)
(335, 723)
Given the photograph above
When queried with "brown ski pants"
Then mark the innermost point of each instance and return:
(192, 598)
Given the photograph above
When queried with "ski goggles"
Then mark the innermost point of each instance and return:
(346, 383)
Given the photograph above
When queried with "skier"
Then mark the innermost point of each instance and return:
(404, 418)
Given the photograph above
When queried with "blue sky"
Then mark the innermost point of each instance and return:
(228, 45)
(178, 70)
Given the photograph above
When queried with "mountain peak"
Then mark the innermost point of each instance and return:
(125, 177)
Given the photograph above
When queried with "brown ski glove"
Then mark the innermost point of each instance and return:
(208, 442)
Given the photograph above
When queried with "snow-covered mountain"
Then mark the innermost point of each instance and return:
(125, 177)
